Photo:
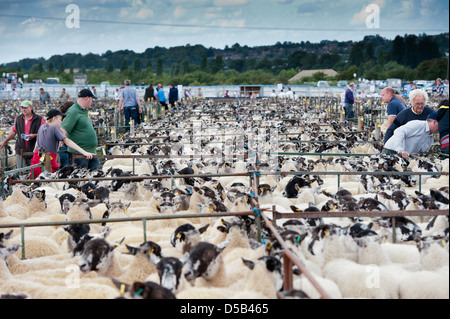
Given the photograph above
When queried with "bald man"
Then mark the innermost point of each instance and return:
(395, 105)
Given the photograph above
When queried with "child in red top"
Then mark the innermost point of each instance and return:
(48, 138)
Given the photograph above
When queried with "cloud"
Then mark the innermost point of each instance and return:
(230, 2)
(232, 23)
(178, 12)
(362, 15)
(145, 13)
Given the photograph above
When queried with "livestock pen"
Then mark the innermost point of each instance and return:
(289, 257)
(260, 173)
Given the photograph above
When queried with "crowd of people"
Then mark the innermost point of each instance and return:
(69, 126)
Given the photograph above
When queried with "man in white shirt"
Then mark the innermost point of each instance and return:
(290, 94)
(414, 137)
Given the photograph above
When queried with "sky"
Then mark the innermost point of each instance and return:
(33, 29)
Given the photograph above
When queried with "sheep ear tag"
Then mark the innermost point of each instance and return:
(122, 289)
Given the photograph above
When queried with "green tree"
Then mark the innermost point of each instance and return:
(124, 66)
(218, 64)
(137, 65)
(381, 59)
(159, 67)
(149, 67)
(398, 49)
(369, 53)
(356, 56)
(411, 51)
(184, 66)
(432, 69)
(204, 65)
(61, 68)
(429, 49)
(110, 68)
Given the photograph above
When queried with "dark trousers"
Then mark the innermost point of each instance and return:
(131, 112)
(63, 157)
(84, 162)
(349, 111)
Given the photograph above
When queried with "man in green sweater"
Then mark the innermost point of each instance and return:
(78, 127)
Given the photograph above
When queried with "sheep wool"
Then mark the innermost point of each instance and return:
(361, 281)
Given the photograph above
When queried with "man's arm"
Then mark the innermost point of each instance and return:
(7, 139)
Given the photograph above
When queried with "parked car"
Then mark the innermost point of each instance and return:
(323, 84)
(429, 88)
(342, 84)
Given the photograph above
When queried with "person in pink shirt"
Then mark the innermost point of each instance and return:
(26, 126)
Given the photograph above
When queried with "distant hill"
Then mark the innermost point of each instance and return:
(307, 55)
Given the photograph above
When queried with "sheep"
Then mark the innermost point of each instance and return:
(37, 246)
(98, 255)
(5, 236)
(361, 281)
(66, 201)
(144, 290)
(425, 285)
(236, 235)
(266, 276)
(186, 236)
(169, 272)
(205, 261)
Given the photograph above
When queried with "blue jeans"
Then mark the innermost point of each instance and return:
(349, 111)
(131, 112)
(84, 162)
(63, 157)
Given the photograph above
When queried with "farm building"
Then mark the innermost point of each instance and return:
(303, 73)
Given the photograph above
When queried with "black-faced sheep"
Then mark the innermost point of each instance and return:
(205, 260)
(273, 266)
(169, 272)
(186, 236)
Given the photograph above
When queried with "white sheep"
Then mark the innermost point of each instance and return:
(361, 281)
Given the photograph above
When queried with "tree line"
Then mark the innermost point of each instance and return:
(407, 57)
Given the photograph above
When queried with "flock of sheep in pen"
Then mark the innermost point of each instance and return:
(221, 257)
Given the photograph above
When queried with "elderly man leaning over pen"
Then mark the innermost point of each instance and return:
(413, 137)
(418, 111)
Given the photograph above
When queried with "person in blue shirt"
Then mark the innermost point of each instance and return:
(409, 88)
(130, 104)
(395, 105)
(439, 87)
(349, 101)
(162, 97)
